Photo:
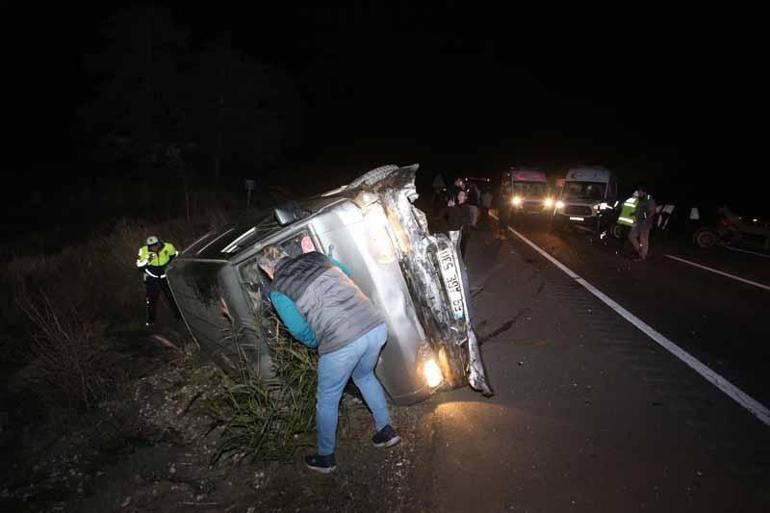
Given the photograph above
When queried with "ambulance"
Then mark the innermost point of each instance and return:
(526, 191)
(587, 194)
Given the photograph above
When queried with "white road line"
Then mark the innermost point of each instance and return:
(736, 394)
(763, 255)
(717, 271)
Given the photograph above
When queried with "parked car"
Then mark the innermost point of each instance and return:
(416, 279)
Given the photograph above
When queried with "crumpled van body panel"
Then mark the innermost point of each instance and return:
(415, 279)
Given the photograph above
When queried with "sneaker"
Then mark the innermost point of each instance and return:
(386, 437)
(322, 464)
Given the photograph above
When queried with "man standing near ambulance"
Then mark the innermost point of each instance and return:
(643, 219)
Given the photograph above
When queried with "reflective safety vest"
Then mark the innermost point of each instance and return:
(154, 264)
(627, 215)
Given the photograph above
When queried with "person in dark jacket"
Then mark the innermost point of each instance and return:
(460, 217)
(323, 308)
(644, 215)
(454, 189)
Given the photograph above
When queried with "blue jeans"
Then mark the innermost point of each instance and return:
(356, 359)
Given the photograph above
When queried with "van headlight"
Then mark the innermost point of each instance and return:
(548, 203)
(516, 201)
(431, 372)
(559, 204)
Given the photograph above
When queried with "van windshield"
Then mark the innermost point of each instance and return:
(530, 189)
(584, 190)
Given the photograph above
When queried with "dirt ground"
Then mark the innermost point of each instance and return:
(149, 448)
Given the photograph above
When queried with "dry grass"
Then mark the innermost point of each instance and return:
(71, 359)
(60, 310)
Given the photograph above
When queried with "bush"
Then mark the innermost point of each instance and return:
(268, 420)
(71, 359)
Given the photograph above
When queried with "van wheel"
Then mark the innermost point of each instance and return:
(705, 238)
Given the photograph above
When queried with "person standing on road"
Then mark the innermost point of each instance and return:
(457, 186)
(473, 198)
(323, 308)
(438, 186)
(503, 217)
(152, 260)
(459, 218)
(644, 215)
(486, 203)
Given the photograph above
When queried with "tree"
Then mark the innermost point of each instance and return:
(246, 113)
(138, 110)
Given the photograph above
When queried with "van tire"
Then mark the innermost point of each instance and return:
(705, 238)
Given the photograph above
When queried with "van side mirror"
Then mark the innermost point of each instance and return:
(290, 213)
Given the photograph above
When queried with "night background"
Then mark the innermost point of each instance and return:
(115, 111)
(629, 373)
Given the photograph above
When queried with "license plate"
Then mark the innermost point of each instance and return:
(576, 219)
(451, 275)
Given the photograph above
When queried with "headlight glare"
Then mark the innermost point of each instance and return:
(432, 373)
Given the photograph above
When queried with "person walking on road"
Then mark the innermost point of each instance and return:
(323, 308)
(152, 260)
(644, 215)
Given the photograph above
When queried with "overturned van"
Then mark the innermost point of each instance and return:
(416, 280)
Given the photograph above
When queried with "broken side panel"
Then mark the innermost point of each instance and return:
(219, 314)
(436, 276)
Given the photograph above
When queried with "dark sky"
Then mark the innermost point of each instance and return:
(453, 84)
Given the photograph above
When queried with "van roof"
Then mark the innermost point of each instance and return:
(526, 174)
(588, 174)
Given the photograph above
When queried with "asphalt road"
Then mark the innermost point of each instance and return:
(590, 414)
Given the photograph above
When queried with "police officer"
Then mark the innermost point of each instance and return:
(152, 260)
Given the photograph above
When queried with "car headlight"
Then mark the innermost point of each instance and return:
(559, 204)
(548, 203)
(432, 373)
(516, 201)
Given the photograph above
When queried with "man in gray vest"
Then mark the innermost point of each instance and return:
(322, 307)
